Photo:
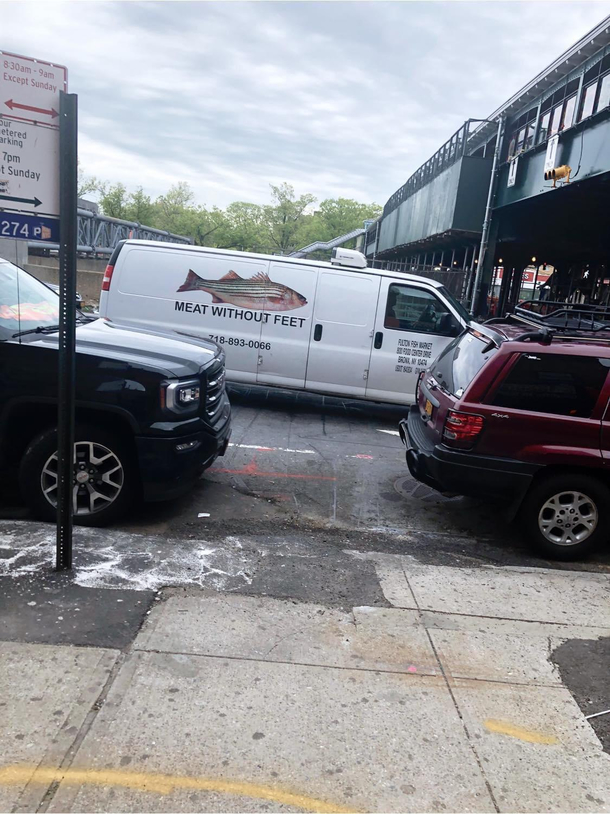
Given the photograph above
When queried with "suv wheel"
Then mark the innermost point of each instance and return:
(567, 516)
(103, 481)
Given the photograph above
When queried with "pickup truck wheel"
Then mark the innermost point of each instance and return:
(567, 516)
(104, 478)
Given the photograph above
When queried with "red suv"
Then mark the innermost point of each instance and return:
(515, 410)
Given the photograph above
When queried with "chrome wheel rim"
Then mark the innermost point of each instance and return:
(568, 518)
(97, 481)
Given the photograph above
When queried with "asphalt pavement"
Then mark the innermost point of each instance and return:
(308, 629)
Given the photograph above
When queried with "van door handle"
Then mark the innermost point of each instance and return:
(317, 332)
(378, 340)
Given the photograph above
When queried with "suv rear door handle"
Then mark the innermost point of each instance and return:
(378, 340)
(317, 332)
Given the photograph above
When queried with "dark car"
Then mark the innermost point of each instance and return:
(151, 409)
(517, 411)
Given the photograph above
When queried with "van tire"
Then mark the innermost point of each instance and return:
(99, 451)
(567, 505)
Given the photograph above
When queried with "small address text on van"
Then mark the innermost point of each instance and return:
(225, 312)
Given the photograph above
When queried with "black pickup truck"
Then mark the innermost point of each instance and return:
(151, 408)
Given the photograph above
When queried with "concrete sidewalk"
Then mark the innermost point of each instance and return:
(446, 700)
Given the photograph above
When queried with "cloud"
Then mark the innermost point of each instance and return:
(335, 98)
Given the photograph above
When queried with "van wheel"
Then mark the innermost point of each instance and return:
(104, 481)
(567, 516)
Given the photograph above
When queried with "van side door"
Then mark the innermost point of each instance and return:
(413, 325)
(286, 327)
(343, 321)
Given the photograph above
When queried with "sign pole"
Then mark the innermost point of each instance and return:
(68, 170)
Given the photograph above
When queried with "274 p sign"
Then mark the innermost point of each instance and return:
(26, 227)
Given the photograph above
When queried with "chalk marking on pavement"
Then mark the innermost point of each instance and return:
(163, 784)
(390, 432)
(252, 469)
(514, 731)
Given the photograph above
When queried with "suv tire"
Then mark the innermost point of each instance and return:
(560, 509)
(105, 468)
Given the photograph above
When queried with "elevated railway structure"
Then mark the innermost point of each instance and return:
(486, 202)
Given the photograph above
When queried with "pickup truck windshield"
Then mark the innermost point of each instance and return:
(460, 362)
(25, 303)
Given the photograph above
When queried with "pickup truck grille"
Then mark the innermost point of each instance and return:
(214, 390)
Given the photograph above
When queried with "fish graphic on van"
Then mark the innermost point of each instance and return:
(258, 293)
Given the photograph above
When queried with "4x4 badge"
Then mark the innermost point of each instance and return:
(500, 415)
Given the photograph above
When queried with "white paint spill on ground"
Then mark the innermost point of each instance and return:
(257, 448)
(390, 432)
(274, 449)
(104, 558)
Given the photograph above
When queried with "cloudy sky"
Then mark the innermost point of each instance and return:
(343, 98)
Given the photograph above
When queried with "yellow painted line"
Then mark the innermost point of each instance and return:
(514, 731)
(163, 784)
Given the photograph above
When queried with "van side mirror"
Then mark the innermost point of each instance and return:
(448, 326)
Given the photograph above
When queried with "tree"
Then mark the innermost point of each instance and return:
(174, 209)
(285, 217)
(86, 183)
(113, 200)
(140, 208)
(205, 227)
(245, 227)
(337, 216)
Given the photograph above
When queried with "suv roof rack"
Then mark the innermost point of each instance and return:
(547, 329)
(566, 315)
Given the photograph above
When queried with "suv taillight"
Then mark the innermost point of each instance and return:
(462, 429)
(107, 278)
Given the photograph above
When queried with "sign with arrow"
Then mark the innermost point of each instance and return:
(29, 88)
(29, 136)
(29, 168)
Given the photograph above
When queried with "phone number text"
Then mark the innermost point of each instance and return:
(241, 343)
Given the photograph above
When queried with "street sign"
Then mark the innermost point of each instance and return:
(29, 89)
(550, 160)
(29, 168)
(28, 227)
(29, 134)
(512, 172)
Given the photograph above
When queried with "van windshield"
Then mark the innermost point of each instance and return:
(25, 302)
(455, 303)
(460, 362)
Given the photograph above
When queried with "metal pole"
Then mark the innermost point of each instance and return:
(68, 130)
(488, 214)
(452, 258)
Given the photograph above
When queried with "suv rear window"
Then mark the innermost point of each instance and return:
(460, 362)
(553, 383)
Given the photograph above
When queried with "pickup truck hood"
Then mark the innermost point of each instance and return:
(173, 353)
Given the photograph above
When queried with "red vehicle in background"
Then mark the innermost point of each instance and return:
(517, 409)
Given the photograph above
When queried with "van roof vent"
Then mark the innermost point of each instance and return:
(348, 257)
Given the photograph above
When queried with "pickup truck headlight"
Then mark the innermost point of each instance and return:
(182, 397)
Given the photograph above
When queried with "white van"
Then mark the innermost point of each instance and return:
(337, 328)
